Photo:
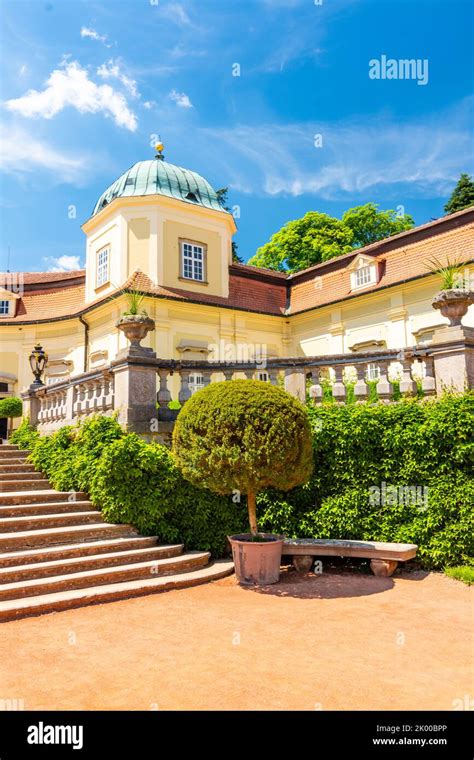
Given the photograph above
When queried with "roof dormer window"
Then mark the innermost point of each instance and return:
(4, 307)
(364, 272)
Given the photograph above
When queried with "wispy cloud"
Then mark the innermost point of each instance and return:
(22, 154)
(176, 13)
(113, 70)
(70, 85)
(418, 158)
(62, 263)
(87, 32)
(181, 99)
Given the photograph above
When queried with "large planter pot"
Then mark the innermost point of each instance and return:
(257, 562)
(135, 327)
(453, 303)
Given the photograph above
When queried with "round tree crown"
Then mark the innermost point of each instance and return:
(243, 435)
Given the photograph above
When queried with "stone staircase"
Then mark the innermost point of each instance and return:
(57, 552)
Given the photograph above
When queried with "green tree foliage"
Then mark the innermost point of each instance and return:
(462, 195)
(368, 224)
(318, 237)
(222, 196)
(11, 407)
(304, 242)
(243, 436)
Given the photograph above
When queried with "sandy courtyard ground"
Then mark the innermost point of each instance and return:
(336, 641)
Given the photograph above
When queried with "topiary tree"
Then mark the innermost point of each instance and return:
(243, 435)
(11, 407)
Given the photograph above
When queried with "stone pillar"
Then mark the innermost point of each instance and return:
(452, 350)
(135, 394)
(295, 383)
(31, 407)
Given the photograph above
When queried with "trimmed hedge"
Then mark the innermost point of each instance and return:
(358, 449)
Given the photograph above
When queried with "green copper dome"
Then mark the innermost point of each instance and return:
(157, 177)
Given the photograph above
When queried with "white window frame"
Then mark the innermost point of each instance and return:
(364, 276)
(8, 307)
(193, 260)
(102, 276)
(263, 376)
(373, 372)
(195, 382)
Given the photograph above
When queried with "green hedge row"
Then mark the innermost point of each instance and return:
(132, 481)
(390, 472)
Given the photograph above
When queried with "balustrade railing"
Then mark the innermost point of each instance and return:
(138, 388)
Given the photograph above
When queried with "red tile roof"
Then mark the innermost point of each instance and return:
(50, 296)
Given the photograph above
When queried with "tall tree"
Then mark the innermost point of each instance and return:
(304, 242)
(222, 196)
(462, 195)
(368, 224)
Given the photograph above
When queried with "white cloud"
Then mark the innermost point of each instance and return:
(62, 263)
(149, 104)
(112, 70)
(93, 35)
(176, 13)
(22, 154)
(370, 154)
(70, 85)
(181, 99)
(23, 70)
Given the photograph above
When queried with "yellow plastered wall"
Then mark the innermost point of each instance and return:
(173, 233)
(138, 245)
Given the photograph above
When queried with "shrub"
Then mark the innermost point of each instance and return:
(243, 436)
(69, 456)
(360, 447)
(11, 407)
(25, 436)
(140, 483)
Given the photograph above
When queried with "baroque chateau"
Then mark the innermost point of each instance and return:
(161, 229)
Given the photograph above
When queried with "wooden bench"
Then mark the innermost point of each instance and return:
(384, 558)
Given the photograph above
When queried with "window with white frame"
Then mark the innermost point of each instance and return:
(192, 260)
(4, 308)
(263, 376)
(373, 372)
(364, 276)
(196, 382)
(103, 266)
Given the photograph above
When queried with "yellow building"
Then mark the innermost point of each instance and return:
(161, 229)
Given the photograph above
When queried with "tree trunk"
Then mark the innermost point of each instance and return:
(252, 507)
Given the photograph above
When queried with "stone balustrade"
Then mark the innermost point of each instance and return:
(64, 403)
(139, 387)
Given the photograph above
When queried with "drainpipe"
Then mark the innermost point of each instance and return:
(86, 341)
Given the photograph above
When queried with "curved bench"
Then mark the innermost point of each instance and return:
(384, 558)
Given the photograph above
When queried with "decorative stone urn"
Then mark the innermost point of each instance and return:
(453, 303)
(135, 327)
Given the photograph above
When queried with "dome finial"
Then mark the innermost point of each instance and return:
(159, 147)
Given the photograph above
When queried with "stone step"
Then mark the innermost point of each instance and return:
(83, 549)
(104, 576)
(40, 522)
(22, 467)
(70, 534)
(35, 570)
(9, 447)
(17, 477)
(23, 485)
(6, 453)
(46, 508)
(15, 459)
(17, 608)
(36, 496)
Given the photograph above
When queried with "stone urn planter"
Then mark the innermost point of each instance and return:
(257, 558)
(135, 327)
(453, 303)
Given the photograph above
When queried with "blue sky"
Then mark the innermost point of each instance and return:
(86, 84)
